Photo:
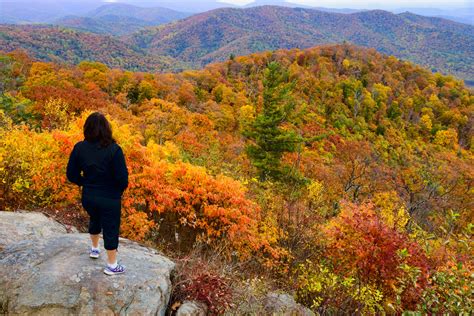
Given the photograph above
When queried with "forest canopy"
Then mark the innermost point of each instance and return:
(341, 173)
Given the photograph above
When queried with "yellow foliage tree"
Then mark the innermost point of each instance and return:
(391, 210)
(447, 138)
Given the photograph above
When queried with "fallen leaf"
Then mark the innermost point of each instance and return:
(175, 306)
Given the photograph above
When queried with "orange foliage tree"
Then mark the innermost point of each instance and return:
(171, 198)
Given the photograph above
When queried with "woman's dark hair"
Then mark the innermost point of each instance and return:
(98, 129)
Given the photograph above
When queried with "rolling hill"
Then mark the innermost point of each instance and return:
(154, 14)
(110, 25)
(120, 19)
(439, 44)
(41, 11)
(62, 45)
(436, 43)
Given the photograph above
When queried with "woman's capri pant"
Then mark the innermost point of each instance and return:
(104, 216)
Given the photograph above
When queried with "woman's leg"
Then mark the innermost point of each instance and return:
(110, 221)
(95, 240)
(94, 219)
(111, 256)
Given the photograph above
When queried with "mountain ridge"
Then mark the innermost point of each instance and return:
(120, 19)
(147, 14)
(47, 11)
(64, 45)
(200, 39)
(219, 33)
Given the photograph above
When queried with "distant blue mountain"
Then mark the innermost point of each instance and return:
(120, 19)
(47, 11)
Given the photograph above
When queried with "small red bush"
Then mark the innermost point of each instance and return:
(209, 288)
(202, 280)
(362, 245)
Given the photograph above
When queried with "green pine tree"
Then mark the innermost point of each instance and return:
(269, 141)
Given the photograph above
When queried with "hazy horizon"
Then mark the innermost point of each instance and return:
(358, 4)
(47, 11)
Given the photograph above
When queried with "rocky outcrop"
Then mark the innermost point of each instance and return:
(19, 226)
(46, 271)
(192, 308)
(284, 304)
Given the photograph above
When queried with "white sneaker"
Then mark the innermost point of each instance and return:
(119, 269)
(94, 253)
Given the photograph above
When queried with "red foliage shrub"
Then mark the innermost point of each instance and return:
(201, 281)
(361, 245)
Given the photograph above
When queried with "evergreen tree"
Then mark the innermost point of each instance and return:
(270, 140)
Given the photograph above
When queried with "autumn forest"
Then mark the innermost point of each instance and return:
(336, 173)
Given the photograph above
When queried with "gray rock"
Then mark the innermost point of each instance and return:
(18, 226)
(192, 308)
(284, 304)
(44, 271)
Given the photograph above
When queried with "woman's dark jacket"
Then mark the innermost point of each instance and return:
(104, 171)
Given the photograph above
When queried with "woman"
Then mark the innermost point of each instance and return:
(103, 181)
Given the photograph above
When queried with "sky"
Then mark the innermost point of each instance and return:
(324, 3)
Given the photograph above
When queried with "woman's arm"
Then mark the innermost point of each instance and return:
(120, 170)
(73, 171)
